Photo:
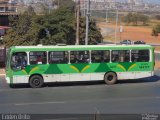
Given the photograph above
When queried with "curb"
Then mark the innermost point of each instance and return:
(157, 51)
(2, 74)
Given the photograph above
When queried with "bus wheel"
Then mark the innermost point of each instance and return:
(110, 78)
(36, 81)
(12, 85)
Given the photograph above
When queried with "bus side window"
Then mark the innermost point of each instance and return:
(140, 55)
(58, 57)
(38, 57)
(73, 59)
(79, 57)
(120, 56)
(99, 56)
(115, 56)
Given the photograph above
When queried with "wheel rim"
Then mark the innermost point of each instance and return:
(36, 82)
(110, 77)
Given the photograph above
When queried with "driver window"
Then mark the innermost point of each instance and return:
(18, 60)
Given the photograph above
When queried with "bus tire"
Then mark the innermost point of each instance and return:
(110, 78)
(36, 81)
(12, 85)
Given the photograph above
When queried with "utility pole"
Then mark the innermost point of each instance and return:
(58, 3)
(84, 7)
(121, 28)
(116, 26)
(77, 17)
(87, 22)
(107, 15)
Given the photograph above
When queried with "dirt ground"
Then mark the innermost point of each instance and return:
(157, 65)
(133, 33)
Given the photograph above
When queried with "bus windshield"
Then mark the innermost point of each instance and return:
(18, 60)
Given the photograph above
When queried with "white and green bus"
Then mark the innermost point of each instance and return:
(37, 65)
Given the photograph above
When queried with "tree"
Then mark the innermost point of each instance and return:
(135, 18)
(143, 18)
(20, 26)
(94, 36)
(157, 17)
(60, 26)
(56, 26)
(156, 30)
(65, 3)
(128, 18)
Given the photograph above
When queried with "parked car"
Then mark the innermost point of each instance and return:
(139, 42)
(126, 42)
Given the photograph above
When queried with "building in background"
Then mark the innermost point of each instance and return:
(121, 5)
(7, 8)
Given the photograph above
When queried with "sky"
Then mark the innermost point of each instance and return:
(149, 1)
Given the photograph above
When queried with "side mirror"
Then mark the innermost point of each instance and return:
(18, 68)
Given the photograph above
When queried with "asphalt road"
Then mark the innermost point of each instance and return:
(136, 96)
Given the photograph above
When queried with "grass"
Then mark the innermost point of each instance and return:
(109, 38)
(154, 22)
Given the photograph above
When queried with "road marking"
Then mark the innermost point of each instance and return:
(39, 103)
(135, 98)
(117, 99)
(88, 87)
(101, 100)
(77, 101)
